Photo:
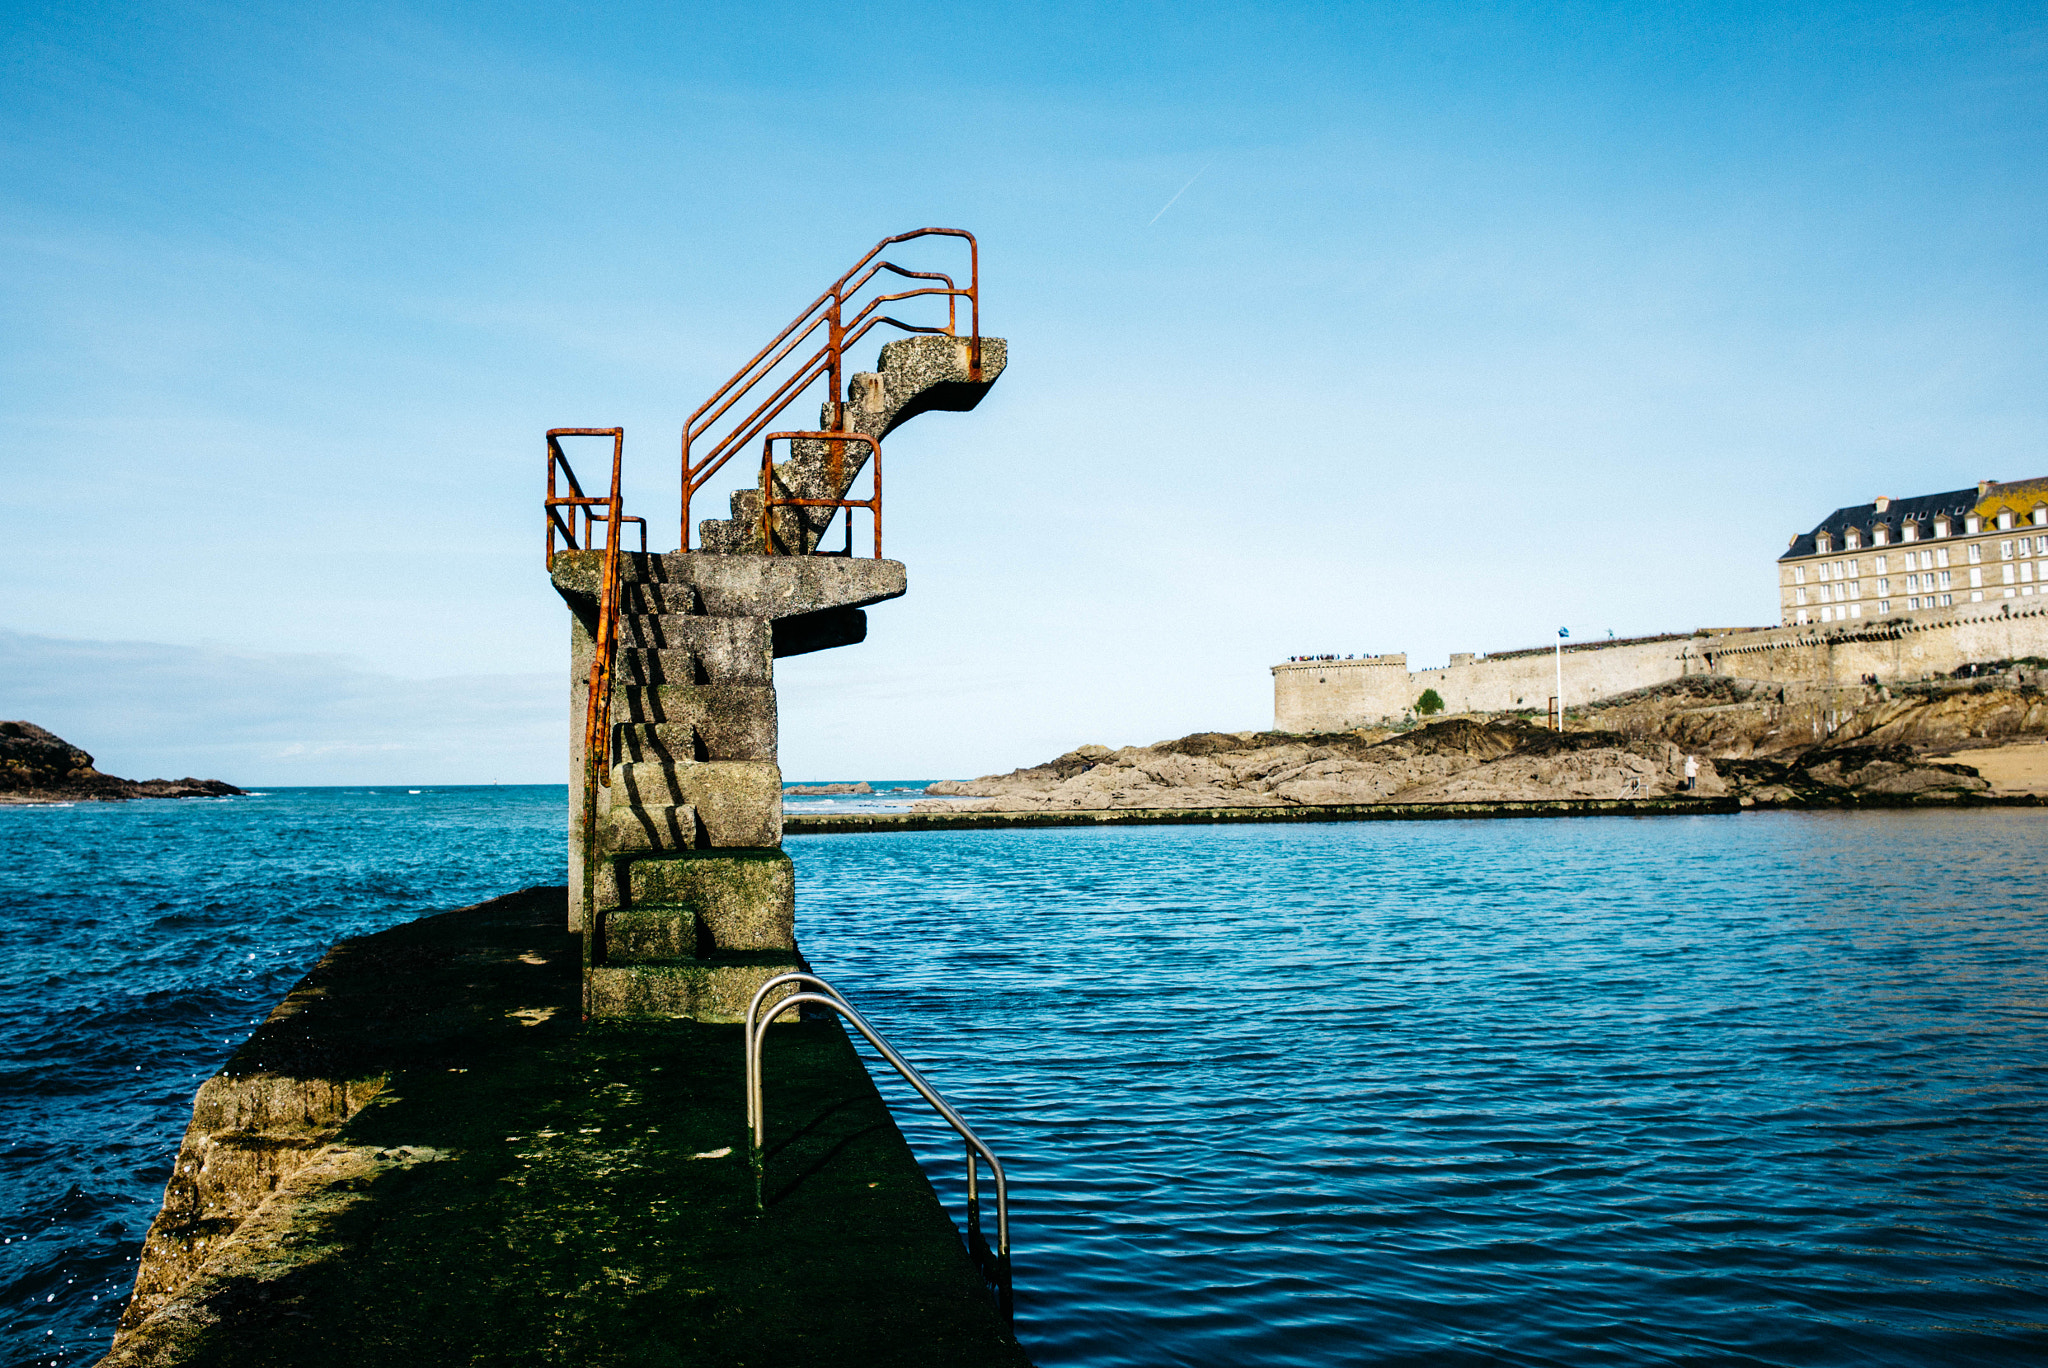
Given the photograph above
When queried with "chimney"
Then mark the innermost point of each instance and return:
(1984, 487)
(1883, 502)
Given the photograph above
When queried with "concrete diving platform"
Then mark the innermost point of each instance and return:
(426, 1156)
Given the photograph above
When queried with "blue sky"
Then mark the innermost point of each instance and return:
(1475, 320)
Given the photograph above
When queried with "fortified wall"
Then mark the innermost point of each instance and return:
(1333, 695)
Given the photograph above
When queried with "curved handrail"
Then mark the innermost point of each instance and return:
(826, 362)
(757, 1115)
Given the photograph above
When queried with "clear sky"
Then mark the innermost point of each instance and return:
(1475, 320)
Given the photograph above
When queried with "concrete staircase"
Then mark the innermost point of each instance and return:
(918, 375)
(692, 901)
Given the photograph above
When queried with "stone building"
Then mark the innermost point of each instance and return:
(1910, 557)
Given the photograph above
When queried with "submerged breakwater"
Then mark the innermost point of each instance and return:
(1728, 1090)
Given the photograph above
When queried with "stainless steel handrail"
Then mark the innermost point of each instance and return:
(757, 1118)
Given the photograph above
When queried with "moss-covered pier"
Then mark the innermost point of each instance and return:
(425, 1156)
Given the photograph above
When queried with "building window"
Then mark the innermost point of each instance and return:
(1944, 579)
(1912, 584)
(1855, 610)
(1853, 538)
(2041, 515)
(2005, 550)
(1910, 532)
(1977, 579)
(1855, 588)
(1940, 557)
(1799, 574)
(1877, 564)
(1884, 586)
(1947, 599)
(1827, 615)
(2009, 577)
(1822, 543)
(1977, 596)
(2005, 520)
(1884, 605)
(1976, 552)
(2027, 573)
(1852, 566)
(1800, 617)
(1799, 596)
(1941, 527)
(1973, 524)
(1881, 534)
(1913, 603)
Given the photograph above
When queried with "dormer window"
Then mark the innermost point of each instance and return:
(1973, 523)
(1853, 538)
(1910, 532)
(2005, 520)
(1941, 527)
(1822, 543)
(2041, 515)
(1881, 535)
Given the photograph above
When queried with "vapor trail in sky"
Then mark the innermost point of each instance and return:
(1178, 193)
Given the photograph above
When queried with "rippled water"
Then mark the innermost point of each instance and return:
(1723, 1090)
(1758, 1089)
(143, 942)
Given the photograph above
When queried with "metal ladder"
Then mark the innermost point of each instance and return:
(993, 1264)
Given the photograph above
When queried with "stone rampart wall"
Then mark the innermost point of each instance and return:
(1338, 695)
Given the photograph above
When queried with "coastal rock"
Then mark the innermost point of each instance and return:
(38, 766)
(1767, 744)
(826, 790)
(1460, 760)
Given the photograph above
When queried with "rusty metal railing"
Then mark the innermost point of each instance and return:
(576, 501)
(597, 710)
(727, 436)
(834, 470)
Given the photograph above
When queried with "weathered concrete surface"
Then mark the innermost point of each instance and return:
(737, 587)
(743, 900)
(914, 375)
(425, 1158)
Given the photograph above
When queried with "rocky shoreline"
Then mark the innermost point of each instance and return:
(38, 766)
(1760, 744)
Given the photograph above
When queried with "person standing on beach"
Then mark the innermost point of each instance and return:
(1692, 774)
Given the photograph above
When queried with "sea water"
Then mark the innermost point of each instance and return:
(1721, 1090)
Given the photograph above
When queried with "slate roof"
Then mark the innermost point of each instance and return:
(1953, 505)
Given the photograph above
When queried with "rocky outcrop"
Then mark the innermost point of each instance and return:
(37, 766)
(1461, 760)
(1760, 742)
(826, 790)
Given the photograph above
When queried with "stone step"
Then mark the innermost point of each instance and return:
(744, 900)
(728, 721)
(649, 935)
(649, 597)
(738, 802)
(719, 650)
(661, 827)
(692, 990)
